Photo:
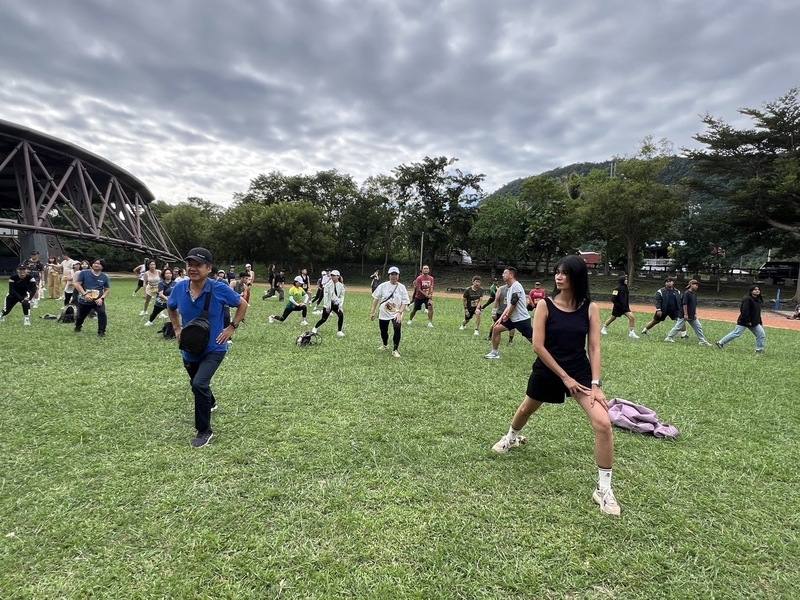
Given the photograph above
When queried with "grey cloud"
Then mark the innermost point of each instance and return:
(198, 97)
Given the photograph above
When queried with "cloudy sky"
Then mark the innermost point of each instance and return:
(197, 97)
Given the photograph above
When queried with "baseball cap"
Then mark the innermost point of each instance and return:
(247, 266)
(22, 266)
(298, 279)
(394, 270)
(199, 254)
(335, 272)
(324, 272)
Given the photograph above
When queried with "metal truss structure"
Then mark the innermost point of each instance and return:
(54, 188)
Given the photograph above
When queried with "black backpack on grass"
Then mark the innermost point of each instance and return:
(168, 331)
(67, 314)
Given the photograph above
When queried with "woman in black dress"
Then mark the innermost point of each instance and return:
(561, 326)
(620, 306)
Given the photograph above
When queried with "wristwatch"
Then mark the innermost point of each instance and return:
(597, 382)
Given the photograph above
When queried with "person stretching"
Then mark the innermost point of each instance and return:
(620, 306)
(392, 299)
(423, 295)
(298, 301)
(164, 290)
(21, 290)
(472, 308)
(515, 315)
(332, 302)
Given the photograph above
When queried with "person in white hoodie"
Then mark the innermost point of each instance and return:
(332, 302)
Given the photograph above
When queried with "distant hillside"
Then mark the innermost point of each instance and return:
(678, 169)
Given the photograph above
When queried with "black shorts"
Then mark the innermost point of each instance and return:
(524, 327)
(469, 312)
(664, 316)
(620, 311)
(422, 302)
(546, 386)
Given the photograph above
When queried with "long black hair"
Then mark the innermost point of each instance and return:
(575, 269)
(750, 293)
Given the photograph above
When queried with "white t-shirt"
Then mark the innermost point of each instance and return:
(395, 296)
(66, 268)
(520, 311)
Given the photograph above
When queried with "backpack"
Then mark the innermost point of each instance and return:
(196, 334)
(67, 314)
(168, 331)
(308, 339)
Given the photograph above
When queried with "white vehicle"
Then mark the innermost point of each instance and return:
(459, 257)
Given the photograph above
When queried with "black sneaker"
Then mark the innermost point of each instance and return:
(77, 330)
(101, 334)
(202, 439)
(718, 345)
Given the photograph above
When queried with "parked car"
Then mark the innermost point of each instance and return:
(455, 257)
(778, 271)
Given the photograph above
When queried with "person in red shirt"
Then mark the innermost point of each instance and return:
(423, 295)
(537, 293)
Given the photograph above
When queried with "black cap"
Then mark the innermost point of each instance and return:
(200, 254)
(23, 266)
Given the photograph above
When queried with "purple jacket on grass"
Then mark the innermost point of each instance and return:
(639, 419)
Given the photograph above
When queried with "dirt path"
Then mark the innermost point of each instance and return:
(727, 315)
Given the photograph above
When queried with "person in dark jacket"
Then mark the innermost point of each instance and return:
(21, 290)
(620, 306)
(749, 318)
(689, 303)
(668, 305)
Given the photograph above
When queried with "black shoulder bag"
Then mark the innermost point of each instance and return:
(196, 334)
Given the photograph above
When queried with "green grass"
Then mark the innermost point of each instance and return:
(339, 472)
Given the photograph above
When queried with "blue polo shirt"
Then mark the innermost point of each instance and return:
(222, 296)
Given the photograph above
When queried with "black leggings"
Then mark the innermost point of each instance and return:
(326, 312)
(68, 296)
(157, 308)
(384, 324)
(11, 302)
(139, 285)
(289, 310)
(317, 297)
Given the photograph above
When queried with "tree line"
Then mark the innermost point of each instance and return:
(735, 193)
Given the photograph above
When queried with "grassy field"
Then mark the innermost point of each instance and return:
(339, 471)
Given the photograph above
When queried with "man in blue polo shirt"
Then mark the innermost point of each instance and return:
(92, 287)
(186, 303)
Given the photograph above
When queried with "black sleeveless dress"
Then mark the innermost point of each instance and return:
(565, 338)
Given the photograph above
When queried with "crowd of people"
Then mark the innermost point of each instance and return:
(204, 308)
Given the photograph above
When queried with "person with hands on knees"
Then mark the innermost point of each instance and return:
(198, 304)
(562, 324)
(391, 297)
(92, 287)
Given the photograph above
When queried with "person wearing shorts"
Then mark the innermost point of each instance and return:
(515, 316)
(668, 305)
(152, 277)
(423, 294)
(620, 307)
(472, 305)
(563, 325)
(391, 297)
(140, 270)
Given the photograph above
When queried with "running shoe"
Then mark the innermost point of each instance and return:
(606, 501)
(430, 324)
(492, 355)
(669, 339)
(644, 331)
(26, 320)
(202, 439)
(383, 348)
(395, 353)
(340, 334)
(409, 322)
(462, 328)
(632, 335)
(148, 324)
(476, 332)
(505, 443)
(215, 407)
(303, 322)
(684, 334)
(142, 313)
(271, 319)
(603, 330)
(2, 319)
(704, 343)
(718, 345)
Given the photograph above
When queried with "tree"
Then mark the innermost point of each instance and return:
(500, 229)
(756, 172)
(364, 223)
(631, 207)
(192, 223)
(545, 203)
(436, 200)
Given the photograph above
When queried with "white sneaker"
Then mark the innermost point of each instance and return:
(383, 348)
(395, 353)
(163, 315)
(684, 334)
(313, 330)
(476, 332)
(35, 304)
(26, 320)
(303, 322)
(148, 324)
(505, 443)
(704, 343)
(603, 330)
(142, 313)
(430, 324)
(607, 502)
(669, 339)
(316, 312)
(271, 319)
(340, 334)
(632, 335)
(462, 328)
(409, 322)
(492, 355)
(644, 331)
(2, 319)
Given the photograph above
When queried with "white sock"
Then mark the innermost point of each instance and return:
(512, 433)
(603, 479)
